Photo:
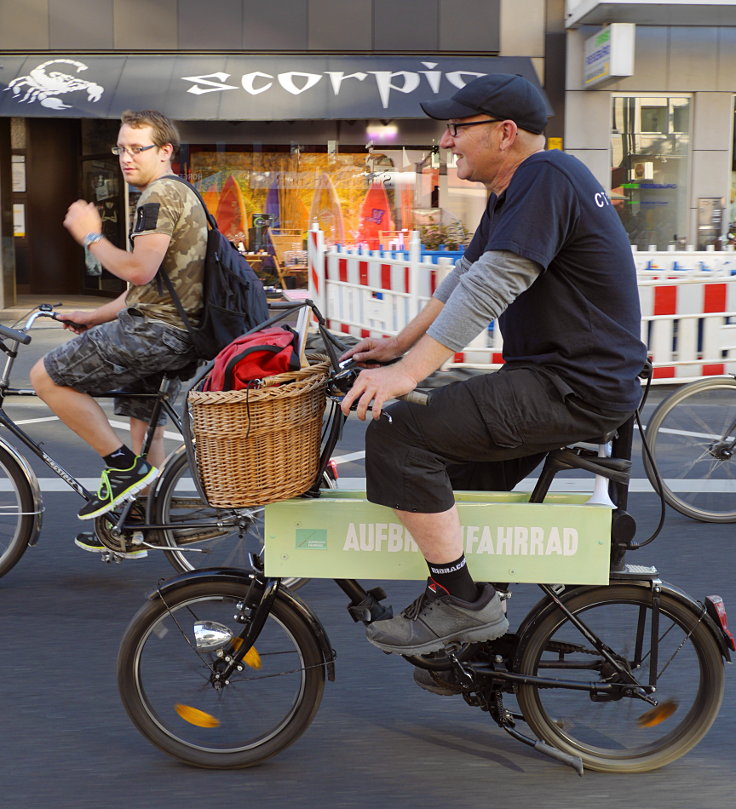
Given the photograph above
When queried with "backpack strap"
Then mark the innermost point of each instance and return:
(177, 301)
(162, 274)
(211, 221)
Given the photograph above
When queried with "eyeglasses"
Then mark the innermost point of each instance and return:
(131, 150)
(453, 128)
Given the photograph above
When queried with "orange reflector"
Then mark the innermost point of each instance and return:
(252, 658)
(196, 717)
(657, 715)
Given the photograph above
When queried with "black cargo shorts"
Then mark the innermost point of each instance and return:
(484, 433)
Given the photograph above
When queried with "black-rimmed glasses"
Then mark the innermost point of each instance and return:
(452, 128)
(131, 150)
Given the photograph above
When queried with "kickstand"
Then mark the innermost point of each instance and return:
(542, 747)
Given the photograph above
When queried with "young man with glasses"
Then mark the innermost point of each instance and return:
(129, 342)
(551, 261)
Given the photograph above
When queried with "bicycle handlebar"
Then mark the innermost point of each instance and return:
(415, 397)
(13, 334)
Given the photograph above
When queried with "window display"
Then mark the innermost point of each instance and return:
(650, 164)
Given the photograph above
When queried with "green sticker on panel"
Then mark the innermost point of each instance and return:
(311, 539)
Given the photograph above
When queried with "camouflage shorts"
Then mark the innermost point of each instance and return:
(129, 354)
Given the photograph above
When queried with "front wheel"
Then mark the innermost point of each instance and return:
(692, 440)
(17, 512)
(169, 688)
(611, 731)
(208, 536)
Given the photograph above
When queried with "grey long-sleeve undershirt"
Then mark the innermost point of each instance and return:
(476, 293)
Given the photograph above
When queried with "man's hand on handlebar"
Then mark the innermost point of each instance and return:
(374, 349)
(374, 386)
(77, 322)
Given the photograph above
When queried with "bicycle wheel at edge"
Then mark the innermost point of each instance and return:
(240, 531)
(166, 683)
(620, 735)
(16, 512)
(683, 435)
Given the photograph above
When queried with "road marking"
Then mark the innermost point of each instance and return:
(638, 485)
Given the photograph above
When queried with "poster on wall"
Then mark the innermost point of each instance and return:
(19, 220)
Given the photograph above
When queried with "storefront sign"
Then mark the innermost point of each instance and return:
(224, 87)
(609, 54)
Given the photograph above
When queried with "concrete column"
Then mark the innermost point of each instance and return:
(710, 167)
(7, 247)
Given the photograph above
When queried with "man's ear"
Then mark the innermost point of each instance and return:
(510, 131)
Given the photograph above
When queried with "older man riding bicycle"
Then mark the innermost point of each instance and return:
(551, 261)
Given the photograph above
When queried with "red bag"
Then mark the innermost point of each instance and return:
(252, 357)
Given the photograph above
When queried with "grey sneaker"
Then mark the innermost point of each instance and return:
(436, 619)
(438, 682)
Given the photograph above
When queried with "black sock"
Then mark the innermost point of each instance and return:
(454, 578)
(122, 458)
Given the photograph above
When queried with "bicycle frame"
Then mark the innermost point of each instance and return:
(161, 403)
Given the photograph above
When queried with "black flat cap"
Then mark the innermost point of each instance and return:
(500, 95)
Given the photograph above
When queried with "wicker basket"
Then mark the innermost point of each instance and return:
(260, 445)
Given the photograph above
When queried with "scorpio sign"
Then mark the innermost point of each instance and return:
(42, 86)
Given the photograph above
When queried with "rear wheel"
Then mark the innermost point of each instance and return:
(610, 730)
(692, 439)
(213, 537)
(169, 688)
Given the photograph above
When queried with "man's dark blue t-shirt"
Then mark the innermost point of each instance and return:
(581, 317)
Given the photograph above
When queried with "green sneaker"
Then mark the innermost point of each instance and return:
(91, 542)
(117, 485)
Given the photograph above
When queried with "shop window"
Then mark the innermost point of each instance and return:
(360, 196)
(102, 184)
(650, 157)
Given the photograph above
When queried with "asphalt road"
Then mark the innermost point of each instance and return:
(377, 739)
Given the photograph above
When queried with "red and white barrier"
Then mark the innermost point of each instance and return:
(688, 315)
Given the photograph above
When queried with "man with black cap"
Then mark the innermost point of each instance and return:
(551, 261)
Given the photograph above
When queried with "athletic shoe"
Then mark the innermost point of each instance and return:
(438, 682)
(438, 618)
(117, 485)
(89, 542)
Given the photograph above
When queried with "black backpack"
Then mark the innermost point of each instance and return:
(233, 298)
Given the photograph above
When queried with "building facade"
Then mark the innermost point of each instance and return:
(660, 134)
(290, 112)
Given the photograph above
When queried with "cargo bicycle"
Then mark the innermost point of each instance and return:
(615, 671)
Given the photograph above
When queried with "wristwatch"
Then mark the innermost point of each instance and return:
(90, 239)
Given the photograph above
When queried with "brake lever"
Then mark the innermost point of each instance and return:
(67, 322)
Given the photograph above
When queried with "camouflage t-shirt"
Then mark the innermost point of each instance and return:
(168, 206)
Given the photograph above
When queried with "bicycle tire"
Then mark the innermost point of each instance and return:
(687, 435)
(166, 688)
(229, 546)
(17, 507)
(609, 735)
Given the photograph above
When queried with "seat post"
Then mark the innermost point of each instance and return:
(621, 448)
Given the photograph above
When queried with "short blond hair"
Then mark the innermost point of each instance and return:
(164, 130)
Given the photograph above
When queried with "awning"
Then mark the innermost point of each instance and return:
(237, 87)
(652, 12)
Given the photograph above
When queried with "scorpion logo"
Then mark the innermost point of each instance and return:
(39, 85)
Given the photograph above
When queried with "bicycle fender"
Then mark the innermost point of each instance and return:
(545, 606)
(30, 477)
(238, 576)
